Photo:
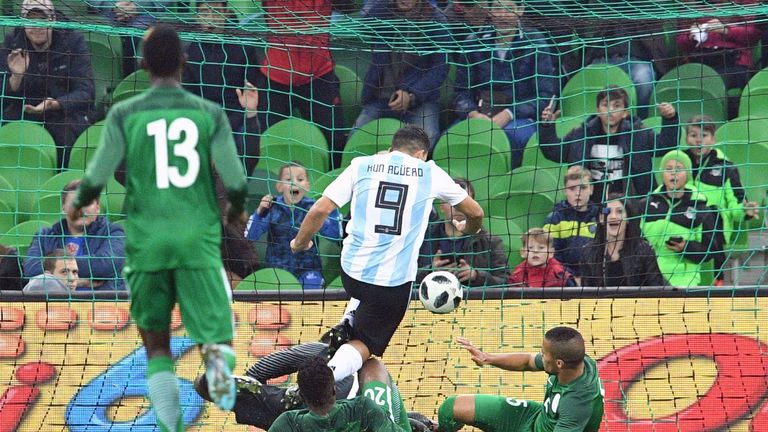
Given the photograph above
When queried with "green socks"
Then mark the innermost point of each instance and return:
(445, 416)
(164, 394)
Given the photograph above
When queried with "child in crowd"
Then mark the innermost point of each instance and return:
(281, 217)
(616, 147)
(572, 224)
(717, 179)
(540, 268)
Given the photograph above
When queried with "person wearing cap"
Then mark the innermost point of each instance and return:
(680, 226)
(47, 77)
(60, 275)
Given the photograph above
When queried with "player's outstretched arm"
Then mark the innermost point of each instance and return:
(518, 362)
(312, 223)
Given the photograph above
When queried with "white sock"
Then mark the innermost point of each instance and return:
(349, 312)
(345, 362)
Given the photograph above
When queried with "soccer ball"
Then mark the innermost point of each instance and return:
(440, 292)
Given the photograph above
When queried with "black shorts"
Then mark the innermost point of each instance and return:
(380, 312)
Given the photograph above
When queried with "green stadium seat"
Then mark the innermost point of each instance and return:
(26, 133)
(579, 96)
(294, 139)
(55, 184)
(48, 208)
(245, 9)
(336, 283)
(26, 168)
(7, 217)
(85, 146)
(132, 85)
(330, 257)
(525, 209)
(476, 131)
(510, 233)
(20, 236)
(269, 279)
(752, 102)
(694, 89)
(350, 90)
(107, 68)
(322, 182)
(8, 195)
(478, 163)
(530, 179)
(370, 139)
(112, 198)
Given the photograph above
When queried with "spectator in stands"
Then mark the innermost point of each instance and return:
(405, 85)
(60, 275)
(281, 218)
(10, 269)
(679, 225)
(718, 180)
(638, 47)
(506, 75)
(96, 244)
(48, 77)
(130, 13)
(476, 260)
(616, 147)
(725, 44)
(215, 69)
(573, 222)
(298, 70)
(540, 268)
(469, 12)
(619, 255)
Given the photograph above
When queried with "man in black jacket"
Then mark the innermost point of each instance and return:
(614, 146)
(48, 77)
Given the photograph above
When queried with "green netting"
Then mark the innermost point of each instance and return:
(578, 48)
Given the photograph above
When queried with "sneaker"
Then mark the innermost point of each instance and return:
(417, 419)
(247, 384)
(221, 386)
(292, 398)
(337, 336)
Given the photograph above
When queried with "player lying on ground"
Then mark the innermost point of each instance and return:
(573, 399)
(260, 404)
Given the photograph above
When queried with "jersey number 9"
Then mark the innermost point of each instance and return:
(166, 174)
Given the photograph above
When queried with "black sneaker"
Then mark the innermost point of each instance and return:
(292, 398)
(337, 336)
(247, 384)
(418, 420)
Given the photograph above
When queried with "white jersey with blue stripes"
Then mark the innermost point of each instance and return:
(391, 197)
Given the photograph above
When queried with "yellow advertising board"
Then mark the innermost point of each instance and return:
(667, 364)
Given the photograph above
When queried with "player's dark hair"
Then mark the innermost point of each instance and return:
(316, 383)
(411, 139)
(163, 54)
(69, 187)
(49, 261)
(567, 345)
(613, 93)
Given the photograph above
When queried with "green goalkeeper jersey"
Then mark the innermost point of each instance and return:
(170, 140)
(573, 407)
(360, 414)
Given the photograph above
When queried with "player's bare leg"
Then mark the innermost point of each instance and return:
(456, 412)
(161, 380)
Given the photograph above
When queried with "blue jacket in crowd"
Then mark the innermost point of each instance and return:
(421, 74)
(525, 75)
(101, 259)
(571, 230)
(282, 222)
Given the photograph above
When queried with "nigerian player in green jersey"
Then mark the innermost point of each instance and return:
(170, 140)
(379, 408)
(573, 399)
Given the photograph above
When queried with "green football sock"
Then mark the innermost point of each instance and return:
(164, 394)
(445, 418)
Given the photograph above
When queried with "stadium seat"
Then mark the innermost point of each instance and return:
(55, 184)
(85, 146)
(48, 208)
(579, 96)
(20, 236)
(530, 179)
(322, 182)
(510, 233)
(330, 257)
(245, 9)
(694, 89)
(336, 283)
(130, 86)
(350, 90)
(370, 139)
(7, 217)
(478, 163)
(473, 131)
(112, 198)
(26, 168)
(525, 209)
(25, 133)
(752, 102)
(8, 195)
(107, 67)
(294, 139)
(269, 279)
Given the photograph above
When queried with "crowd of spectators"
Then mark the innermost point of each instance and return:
(507, 71)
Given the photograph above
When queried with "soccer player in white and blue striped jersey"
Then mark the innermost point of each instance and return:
(391, 197)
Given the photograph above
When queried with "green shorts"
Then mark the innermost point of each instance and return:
(203, 295)
(505, 414)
